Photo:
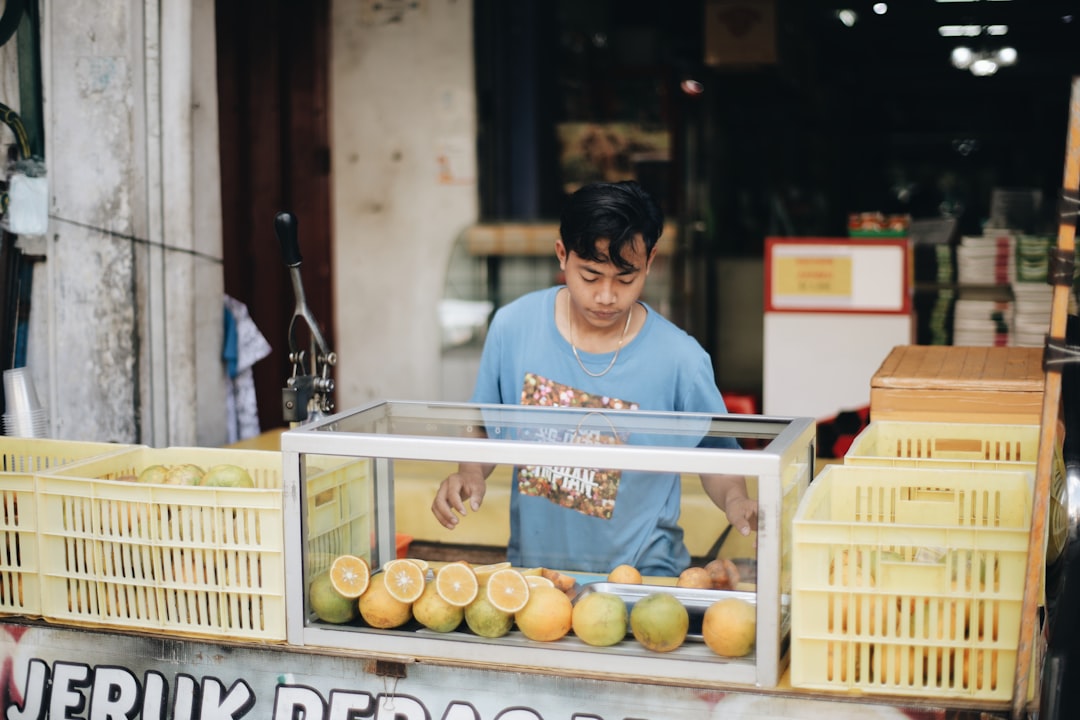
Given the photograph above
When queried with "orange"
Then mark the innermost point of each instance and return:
(350, 575)
(559, 580)
(625, 574)
(483, 572)
(419, 562)
(538, 581)
(434, 613)
(380, 609)
(547, 615)
(694, 577)
(723, 573)
(456, 584)
(404, 580)
(507, 590)
(729, 627)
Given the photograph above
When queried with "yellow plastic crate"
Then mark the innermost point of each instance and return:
(945, 445)
(974, 446)
(19, 566)
(339, 516)
(148, 557)
(910, 581)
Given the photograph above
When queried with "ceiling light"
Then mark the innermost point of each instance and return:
(848, 17)
(997, 29)
(982, 63)
(962, 57)
(692, 87)
(960, 30)
(881, 8)
(983, 67)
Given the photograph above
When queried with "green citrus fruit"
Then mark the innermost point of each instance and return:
(659, 622)
(600, 619)
(434, 613)
(486, 620)
(329, 605)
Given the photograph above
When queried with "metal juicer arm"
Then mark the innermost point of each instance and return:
(307, 395)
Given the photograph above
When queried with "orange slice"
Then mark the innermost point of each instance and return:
(350, 575)
(457, 584)
(508, 590)
(484, 572)
(539, 581)
(404, 580)
(419, 562)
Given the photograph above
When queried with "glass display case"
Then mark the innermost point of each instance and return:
(343, 474)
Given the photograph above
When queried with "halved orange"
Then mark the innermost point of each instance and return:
(508, 590)
(456, 584)
(538, 581)
(350, 575)
(404, 580)
(484, 572)
(419, 562)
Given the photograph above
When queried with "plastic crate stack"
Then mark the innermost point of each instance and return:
(910, 561)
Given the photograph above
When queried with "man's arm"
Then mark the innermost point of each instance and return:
(728, 492)
(468, 483)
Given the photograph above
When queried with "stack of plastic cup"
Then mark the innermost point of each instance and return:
(25, 417)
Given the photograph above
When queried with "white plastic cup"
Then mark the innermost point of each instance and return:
(21, 398)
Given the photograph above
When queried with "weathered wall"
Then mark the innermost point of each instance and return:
(126, 323)
(403, 100)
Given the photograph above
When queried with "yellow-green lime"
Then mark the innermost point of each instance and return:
(434, 613)
(659, 622)
(328, 604)
(600, 619)
(486, 620)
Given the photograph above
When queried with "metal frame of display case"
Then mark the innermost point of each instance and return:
(391, 430)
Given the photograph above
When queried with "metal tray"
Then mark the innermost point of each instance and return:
(696, 601)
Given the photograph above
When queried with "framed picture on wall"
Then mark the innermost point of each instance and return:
(610, 152)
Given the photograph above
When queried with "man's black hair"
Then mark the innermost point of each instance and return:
(616, 212)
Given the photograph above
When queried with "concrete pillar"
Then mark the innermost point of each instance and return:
(127, 315)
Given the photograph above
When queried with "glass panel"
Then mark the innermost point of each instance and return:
(555, 424)
(573, 493)
(340, 510)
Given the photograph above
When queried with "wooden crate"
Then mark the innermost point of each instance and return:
(934, 383)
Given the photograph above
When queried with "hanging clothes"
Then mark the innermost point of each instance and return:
(244, 345)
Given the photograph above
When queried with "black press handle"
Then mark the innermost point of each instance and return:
(285, 228)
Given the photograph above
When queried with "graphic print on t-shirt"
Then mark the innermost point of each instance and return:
(590, 491)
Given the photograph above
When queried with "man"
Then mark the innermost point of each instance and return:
(593, 343)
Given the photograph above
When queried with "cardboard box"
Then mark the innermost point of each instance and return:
(935, 383)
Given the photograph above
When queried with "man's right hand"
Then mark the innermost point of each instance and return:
(468, 484)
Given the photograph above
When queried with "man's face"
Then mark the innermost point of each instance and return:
(601, 293)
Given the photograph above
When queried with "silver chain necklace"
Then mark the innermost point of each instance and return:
(570, 327)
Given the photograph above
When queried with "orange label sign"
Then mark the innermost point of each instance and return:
(813, 275)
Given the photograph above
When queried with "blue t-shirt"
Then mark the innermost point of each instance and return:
(558, 517)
